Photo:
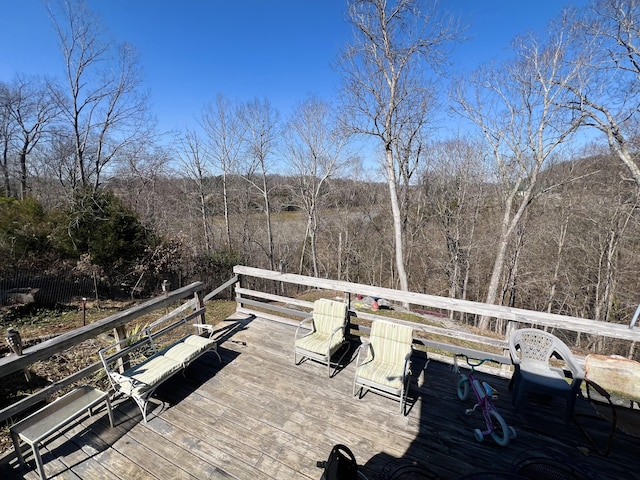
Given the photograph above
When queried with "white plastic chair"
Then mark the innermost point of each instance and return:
(531, 350)
(384, 361)
(327, 334)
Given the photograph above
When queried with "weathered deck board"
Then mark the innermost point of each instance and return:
(259, 416)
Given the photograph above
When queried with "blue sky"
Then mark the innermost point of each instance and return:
(276, 49)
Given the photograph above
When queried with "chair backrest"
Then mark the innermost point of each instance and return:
(390, 342)
(329, 315)
(537, 347)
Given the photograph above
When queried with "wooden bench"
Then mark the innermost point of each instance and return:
(136, 366)
(53, 417)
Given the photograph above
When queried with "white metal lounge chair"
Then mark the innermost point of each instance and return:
(327, 334)
(384, 361)
(531, 351)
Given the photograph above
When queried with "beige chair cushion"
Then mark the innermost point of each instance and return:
(383, 374)
(328, 315)
(390, 345)
(188, 349)
(151, 372)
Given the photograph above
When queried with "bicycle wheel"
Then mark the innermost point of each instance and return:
(463, 387)
(500, 431)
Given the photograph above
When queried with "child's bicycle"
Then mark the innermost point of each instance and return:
(485, 394)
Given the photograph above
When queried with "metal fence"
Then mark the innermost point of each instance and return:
(21, 287)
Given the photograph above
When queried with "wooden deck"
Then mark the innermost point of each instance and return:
(258, 416)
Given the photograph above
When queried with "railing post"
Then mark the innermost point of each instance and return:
(347, 297)
(510, 328)
(119, 334)
(238, 296)
(15, 342)
(198, 299)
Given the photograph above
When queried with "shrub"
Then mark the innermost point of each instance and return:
(111, 234)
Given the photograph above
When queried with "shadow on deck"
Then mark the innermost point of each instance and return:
(258, 416)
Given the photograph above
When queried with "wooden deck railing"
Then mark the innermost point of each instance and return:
(116, 323)
(602, 334)
(282, 308)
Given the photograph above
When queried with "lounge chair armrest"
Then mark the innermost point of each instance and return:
(120, 378)
(122, 381)
(206, 326)
(576, 370)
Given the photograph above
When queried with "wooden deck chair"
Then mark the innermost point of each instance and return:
(327, 335)
(383, 362)
(531, 350)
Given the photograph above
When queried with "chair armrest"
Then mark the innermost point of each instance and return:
(206, 326)
(407, 364)
(366, 345)
(576, 370)
(336, 330)
(302, 324)
(513, 352)
(119, 378)
(119, 381)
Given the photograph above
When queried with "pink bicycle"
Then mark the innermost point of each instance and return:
(485, 394)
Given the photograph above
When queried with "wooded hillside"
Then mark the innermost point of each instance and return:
(575, 254)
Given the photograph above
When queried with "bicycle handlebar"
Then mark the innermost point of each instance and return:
(473, 362)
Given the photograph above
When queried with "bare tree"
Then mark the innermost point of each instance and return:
(226, 133)
(105, 109)
(385, 92)
(454, 184)
(33, 110)
(607, 93)
(517, 108)
(141, 179)
(7, 128)
(192, 156)
(315, 152)
(261, 121)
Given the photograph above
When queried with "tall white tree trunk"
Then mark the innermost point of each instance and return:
(397, 222)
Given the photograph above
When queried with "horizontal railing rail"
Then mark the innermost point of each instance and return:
(262, 304)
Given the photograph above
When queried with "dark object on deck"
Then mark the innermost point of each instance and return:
(549, 469)
(405, 469)
(495, 476)
(341, 464)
